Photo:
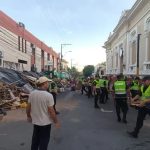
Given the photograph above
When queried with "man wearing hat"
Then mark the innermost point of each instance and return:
(143, 105)
(41, 113)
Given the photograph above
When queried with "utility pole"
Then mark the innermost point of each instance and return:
(61, 55)
(138, 49)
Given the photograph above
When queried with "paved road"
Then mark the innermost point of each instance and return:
(83, 128)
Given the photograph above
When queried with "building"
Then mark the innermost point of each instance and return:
(100, 69)
(21, 50)
(128, 47)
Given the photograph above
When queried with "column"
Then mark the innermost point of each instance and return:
(147, 48)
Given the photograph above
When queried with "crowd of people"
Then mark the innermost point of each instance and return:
(41, 109)
(124, 91)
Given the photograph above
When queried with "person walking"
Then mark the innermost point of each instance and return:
(142, 102)
(41, 113)
(96, 84)
(135, 87)
(53, 90)
(120, 91)
(83, 89)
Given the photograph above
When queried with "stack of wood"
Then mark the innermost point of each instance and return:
(9, 96)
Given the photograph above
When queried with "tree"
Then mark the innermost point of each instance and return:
(73, 72)
(88, 70)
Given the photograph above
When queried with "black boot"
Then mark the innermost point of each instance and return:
(133, 134)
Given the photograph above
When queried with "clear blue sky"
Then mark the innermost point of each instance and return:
(85, 24)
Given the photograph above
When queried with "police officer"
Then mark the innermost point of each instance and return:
(96, 84)
(53, 90)
(89, 87)
(135, 87)
(104, 90)
(83, 88)
(120, 91)
(143, 106)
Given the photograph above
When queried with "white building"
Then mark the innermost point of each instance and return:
(130, 36)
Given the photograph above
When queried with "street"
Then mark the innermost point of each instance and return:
(82, 127)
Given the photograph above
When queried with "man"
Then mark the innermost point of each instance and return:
(53, 90)
(120, 91)
(89, 87)
(135, 87)
(41, 112)
(104, 90)
(96, 84)
(83, 89)
(143, 105)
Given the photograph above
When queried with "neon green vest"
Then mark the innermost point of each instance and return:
(120, 87)
(135, 86)
(97, 83)
(101, 82)
(146, 94)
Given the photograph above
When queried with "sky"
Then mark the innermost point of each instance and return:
(85, 24)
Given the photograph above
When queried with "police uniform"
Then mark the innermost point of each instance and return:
(97, 92)
(83, 87)
(135, 88)
(142, 110)
(89, 87)
(53, 90)
(104, 92)
(120, 91)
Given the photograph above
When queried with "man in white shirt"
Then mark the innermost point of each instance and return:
(41, 113)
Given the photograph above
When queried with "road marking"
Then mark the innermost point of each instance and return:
(3, 134)
(108, 111)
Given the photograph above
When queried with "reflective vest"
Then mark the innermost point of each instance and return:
(135, 86)
(120, 87)
(102, 82)
(146, 94)
(97, 83)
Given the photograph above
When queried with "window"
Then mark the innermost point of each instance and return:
(22, 45)
(116, 60)
(148, 48)
(25, 46)
(133, 48)
(148, 40)
(19, 43)
(148, 24)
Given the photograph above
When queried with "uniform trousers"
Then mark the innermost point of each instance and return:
(40, 137)
(97, 97)
(121, 105)
(142, 112)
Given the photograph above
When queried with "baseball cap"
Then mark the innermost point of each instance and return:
(42, 80)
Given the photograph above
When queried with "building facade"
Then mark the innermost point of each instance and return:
(128, 47)
(100, 69)
(21, 50)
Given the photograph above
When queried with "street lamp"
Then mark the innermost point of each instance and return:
(61, 55)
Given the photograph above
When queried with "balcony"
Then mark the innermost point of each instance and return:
(132, 69)
(146, 68)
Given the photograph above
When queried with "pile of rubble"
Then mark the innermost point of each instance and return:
(11, 96)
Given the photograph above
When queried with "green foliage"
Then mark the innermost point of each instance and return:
(88, 70)
(73, 72)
